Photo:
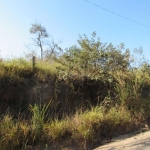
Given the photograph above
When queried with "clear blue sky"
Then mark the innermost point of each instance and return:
(66, 19)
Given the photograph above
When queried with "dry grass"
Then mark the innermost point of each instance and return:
(83, 127)
(21, 68)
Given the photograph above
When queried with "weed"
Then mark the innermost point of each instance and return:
(39, 115)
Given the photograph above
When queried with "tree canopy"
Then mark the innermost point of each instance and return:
(92, 57)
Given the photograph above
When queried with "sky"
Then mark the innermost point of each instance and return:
(64, 20)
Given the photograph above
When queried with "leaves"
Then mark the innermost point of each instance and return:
(92, 57)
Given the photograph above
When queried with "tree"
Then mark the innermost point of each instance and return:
(48, 48)
(93, 58)
(40, 32)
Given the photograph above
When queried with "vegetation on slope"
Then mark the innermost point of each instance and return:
(96, 94)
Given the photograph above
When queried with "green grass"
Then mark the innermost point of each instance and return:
(21, 68)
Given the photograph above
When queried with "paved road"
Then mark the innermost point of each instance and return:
(129, 142)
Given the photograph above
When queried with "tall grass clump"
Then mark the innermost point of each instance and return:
(19, 133)
(39, 115)
(131, 90)
(88, 123)
(14, 134)
(57, 130)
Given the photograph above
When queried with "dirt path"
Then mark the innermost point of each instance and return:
(139, 141)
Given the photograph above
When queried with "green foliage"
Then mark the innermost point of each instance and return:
(132, 90)
(39, 30)
(39, 115)
(94, 59)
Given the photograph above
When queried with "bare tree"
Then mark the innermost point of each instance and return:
(53, 50)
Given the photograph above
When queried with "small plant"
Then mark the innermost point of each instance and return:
(39, 115)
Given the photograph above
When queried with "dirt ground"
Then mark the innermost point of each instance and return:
(139, 140)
